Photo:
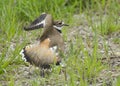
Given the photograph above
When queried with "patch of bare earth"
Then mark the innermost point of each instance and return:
(111, 56)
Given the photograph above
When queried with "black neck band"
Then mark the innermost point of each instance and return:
(59, 31)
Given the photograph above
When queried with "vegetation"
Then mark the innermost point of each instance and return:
(80, 69)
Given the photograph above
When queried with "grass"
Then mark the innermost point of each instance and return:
(82, 69)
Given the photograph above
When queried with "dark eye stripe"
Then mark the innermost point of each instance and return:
(59, 25)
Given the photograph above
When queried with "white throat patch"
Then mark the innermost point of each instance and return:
(59, 28)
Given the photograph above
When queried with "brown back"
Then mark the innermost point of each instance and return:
(55, 37)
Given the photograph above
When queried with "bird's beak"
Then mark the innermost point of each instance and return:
(65, 24)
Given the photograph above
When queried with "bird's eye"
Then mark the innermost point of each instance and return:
(60, 23)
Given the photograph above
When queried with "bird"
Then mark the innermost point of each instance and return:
(51, 42)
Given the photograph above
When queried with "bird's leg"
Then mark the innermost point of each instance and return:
(65, 74)
(30, 67)
(63, 70)
(42, 73)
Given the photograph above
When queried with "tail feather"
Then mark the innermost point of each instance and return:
(25, 57)
(23, 54)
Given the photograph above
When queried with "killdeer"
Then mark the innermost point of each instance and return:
(45, 52)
